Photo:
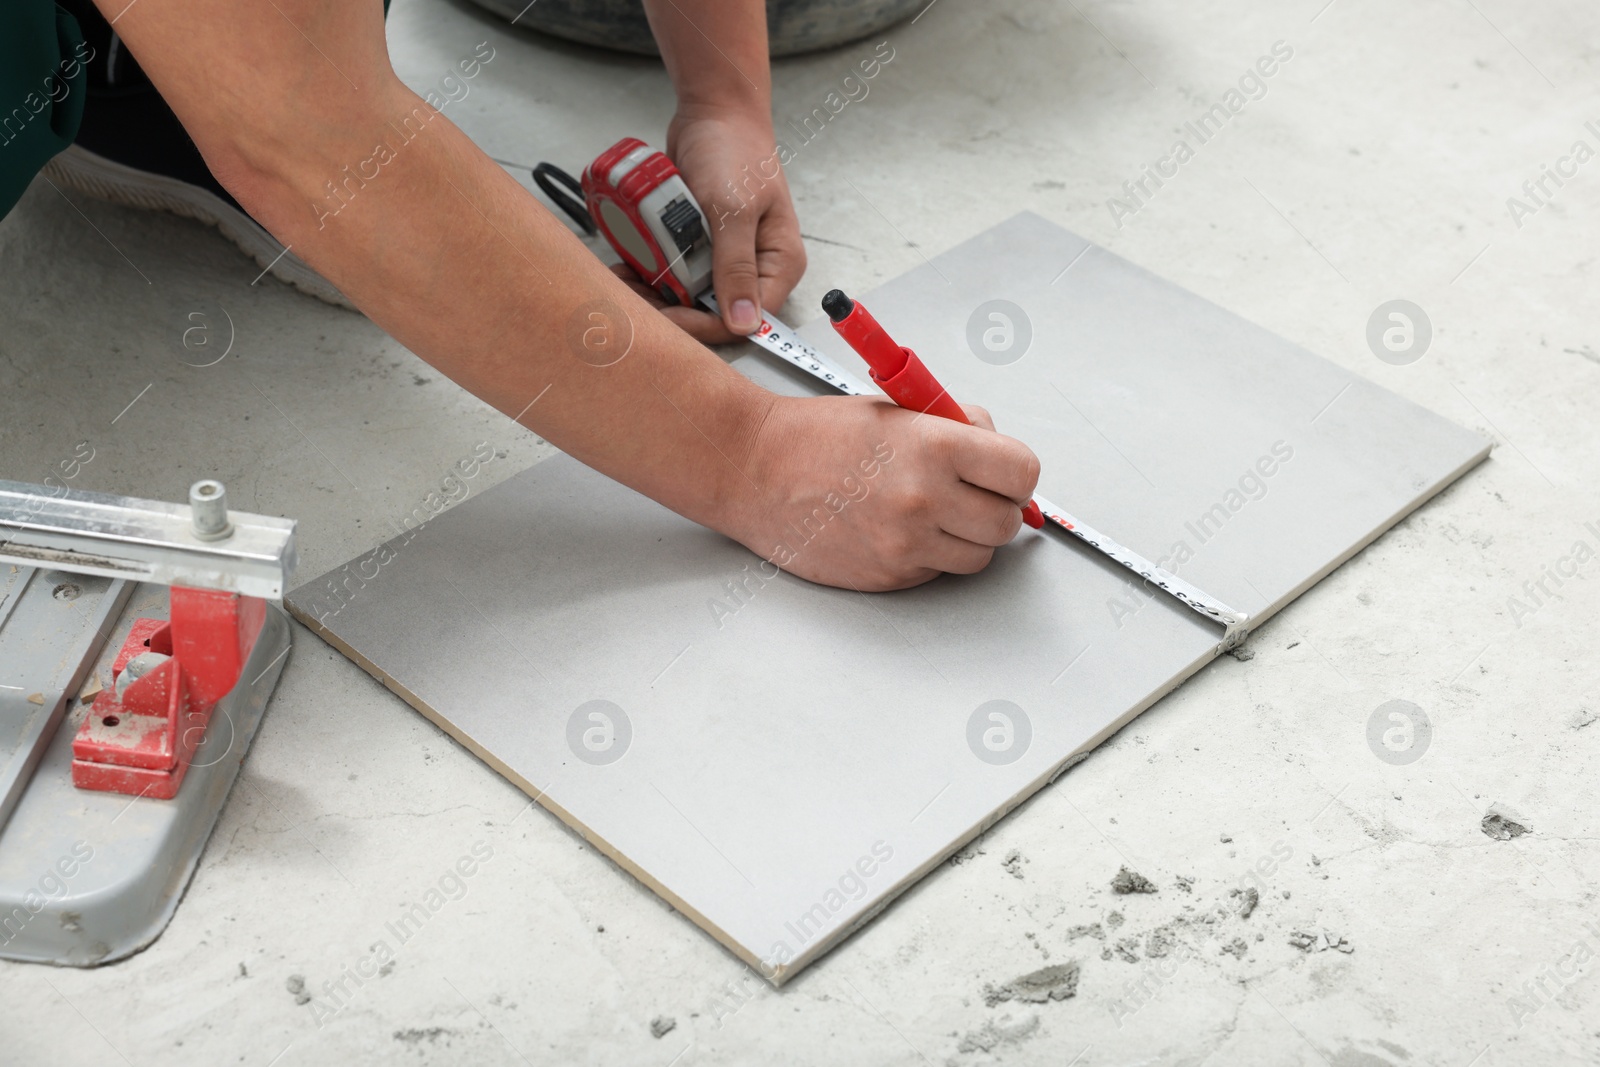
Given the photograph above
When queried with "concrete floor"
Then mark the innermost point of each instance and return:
(1377, 166)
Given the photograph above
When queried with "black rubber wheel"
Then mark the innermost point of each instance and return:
(794, 26)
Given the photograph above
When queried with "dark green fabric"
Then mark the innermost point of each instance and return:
(42, 78)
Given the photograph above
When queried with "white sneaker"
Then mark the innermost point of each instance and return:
(82, 171)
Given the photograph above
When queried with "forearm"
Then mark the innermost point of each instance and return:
(455, 260)
(715, 52)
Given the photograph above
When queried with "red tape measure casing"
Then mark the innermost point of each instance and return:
(641, 204)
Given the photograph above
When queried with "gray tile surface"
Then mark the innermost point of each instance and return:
(772, 745)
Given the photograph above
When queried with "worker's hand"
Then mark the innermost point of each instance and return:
(858, 493)
(729, 160)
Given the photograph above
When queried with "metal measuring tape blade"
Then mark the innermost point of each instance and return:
(1234, 623)
(784, 343)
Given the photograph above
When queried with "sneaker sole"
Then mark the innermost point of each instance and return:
(84, 172)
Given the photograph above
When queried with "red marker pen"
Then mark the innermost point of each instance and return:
(898, 370)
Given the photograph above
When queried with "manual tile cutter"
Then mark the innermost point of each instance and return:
(101, 826)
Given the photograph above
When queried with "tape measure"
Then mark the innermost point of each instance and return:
(636, 198)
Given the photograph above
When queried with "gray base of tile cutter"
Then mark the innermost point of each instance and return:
(88, 878)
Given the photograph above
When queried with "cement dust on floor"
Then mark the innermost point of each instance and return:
(1397, 917)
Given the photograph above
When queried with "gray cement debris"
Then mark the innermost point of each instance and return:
(662, 1025)
(1236, 948)
(1159, 942)
(971, 852)
(1013, 863)
(993, 1034)
(1128, 881)
(1128, 949)
(415, 1036)
(1251, 898)
(1094, 930)
(1045, 952)
(1501, 827)
(1394, 1048)
(1314, 943)
(1056, 982)
(296, 984)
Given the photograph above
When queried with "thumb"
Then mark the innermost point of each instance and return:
(734, 274)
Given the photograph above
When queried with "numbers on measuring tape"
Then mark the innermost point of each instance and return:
(777, 339)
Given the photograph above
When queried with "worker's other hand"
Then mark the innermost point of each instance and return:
(729, 159)
(858, 493)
